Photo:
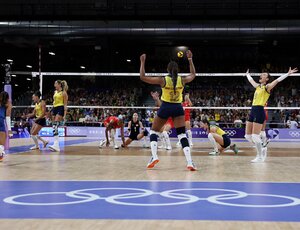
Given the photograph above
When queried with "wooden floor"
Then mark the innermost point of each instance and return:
(87, 162)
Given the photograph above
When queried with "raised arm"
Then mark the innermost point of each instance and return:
(149, 79)
(281, 78)
(192, 74)
(250, 79)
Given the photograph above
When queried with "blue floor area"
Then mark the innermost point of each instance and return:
(25, 148)
(151, 200)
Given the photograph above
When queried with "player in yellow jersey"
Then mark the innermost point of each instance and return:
(59, 111)
(218, 138)
(40, 120)
(257, 116)
(172, 87)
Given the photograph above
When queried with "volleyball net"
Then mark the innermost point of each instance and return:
(90, 110)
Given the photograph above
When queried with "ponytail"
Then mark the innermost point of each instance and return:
(173, 71)
(64, 86)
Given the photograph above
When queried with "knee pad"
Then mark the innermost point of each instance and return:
(180, 130)
(211, 137)
(256, 138)
(153, 135)
(183, 140)
(55, 128)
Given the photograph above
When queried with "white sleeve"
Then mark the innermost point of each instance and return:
(8, 123)
(282, 77)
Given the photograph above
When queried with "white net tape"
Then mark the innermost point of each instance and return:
(148, 107)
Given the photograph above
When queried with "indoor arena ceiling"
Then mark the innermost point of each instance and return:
(147, 9)
(35, 21)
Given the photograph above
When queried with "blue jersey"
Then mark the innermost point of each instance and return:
(2, 118)
(2, 112)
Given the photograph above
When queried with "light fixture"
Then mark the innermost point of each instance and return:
(10, 60)
(29, 66)
(82, 67)
(182, 48)
(16, 85)
(13, 75)
(52, 53)
(128, 60)
(28, 79)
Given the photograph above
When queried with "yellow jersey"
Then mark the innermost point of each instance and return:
(261, 96)
(38, 109)
(168, 94)
(58, 99)
(219, 131)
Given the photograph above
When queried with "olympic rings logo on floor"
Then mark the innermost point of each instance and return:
(126, 196)
(230, 132)
(294, 133)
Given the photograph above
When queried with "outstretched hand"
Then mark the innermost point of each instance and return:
(189, 54)
(291, 71)
(143, 57)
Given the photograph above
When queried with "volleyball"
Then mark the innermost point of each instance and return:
(179, 54)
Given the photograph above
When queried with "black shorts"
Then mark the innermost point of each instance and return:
(167, 110)
(41, 122)
(257, 115)
(226, 141)
(59, 110)
(133, 136)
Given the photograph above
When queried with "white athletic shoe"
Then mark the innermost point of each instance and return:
(34, 148)
(264, 154)
(214, 153)
(54, 148)
(257, 159)
(161, 147)
(116, 147)
(102, 143)
(168, 148)
(178, 144)
(191, 144)
(2, 155)
(152, 162)
(191, 166)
